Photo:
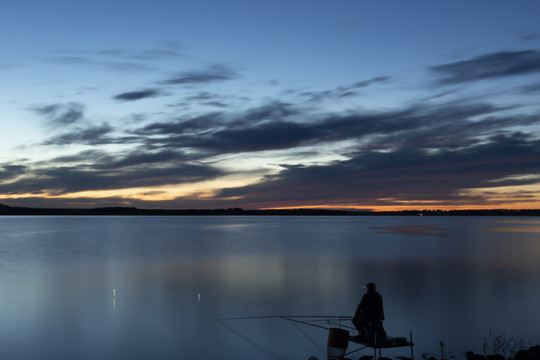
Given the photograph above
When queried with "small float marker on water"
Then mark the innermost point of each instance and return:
(199, 297)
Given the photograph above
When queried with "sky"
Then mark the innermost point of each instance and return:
(349, 104)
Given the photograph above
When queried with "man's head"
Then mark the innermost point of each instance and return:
(370, 287)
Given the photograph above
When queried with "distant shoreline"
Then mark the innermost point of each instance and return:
(133, 211)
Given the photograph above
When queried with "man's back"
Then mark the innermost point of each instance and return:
(371, 307)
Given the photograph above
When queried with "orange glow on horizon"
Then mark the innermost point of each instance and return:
(509, 198)
(124, 198)
(202, 190)
(379, 208)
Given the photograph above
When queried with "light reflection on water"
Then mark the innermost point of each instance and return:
(512, 225)
(446, 279)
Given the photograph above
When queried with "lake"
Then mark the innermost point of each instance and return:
(154, 287)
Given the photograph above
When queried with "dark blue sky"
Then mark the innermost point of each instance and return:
(257, 104)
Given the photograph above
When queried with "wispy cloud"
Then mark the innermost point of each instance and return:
(279, 126)
(61, 114)
(96, 170)
(534, 88)
(207, 75)
(208, 99)
(138, 95)
(90, 135)
(118, 60)
(8, 171)
(139, 158)
(166, 52)
(494, 65)
(384, 178)
(530, 37)
(343, 91)
(372, 81)
(382, 156)
(121, 66)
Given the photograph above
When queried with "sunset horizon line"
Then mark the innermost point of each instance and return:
(6, 208)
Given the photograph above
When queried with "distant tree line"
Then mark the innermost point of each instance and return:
(10, 210)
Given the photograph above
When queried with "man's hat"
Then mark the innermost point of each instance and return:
(370, 286)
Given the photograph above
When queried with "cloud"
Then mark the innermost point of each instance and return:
(8, 171)
(70, 126)
(85, 157)
(534, 88)
(122, 53)
(208, 99)
(268, 136)
(390, 178)
(61, 114)
(495, 65)
(530, 37)
(62, 180)
(259, 128)
(203, 123)
(118, 60)
(138, 95)
(120, 66)
(446, 126)
(102, 160)
(91, 135)
(211, 74)
(156, 54)
(98, 170)
(278, 126)
(215, 104)
(375, 80)
(343, 91)
(427, 151)
(124, 66)
(142, 158)
(448, 147)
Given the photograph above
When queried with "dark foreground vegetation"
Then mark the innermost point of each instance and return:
(11, 210)
(498, 347)
(532, 353)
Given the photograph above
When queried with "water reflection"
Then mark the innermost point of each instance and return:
(528, 226)
(168, 293)
(411, 230)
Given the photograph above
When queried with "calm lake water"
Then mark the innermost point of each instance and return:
(153, 287)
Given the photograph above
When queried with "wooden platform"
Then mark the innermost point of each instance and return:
(387, 343)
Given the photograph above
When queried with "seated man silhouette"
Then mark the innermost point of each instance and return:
(369, 315)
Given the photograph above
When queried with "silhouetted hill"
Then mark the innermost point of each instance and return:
(10, 210)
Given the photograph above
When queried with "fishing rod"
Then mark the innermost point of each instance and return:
(340, 317)
(270, 353)
(328, 319)
(338, 337)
